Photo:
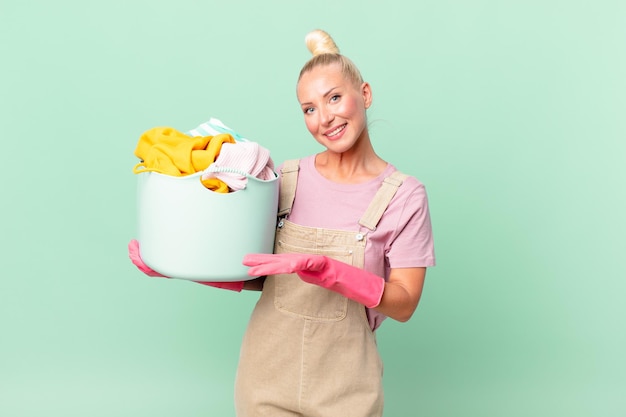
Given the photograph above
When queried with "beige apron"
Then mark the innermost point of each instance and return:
(309, 351)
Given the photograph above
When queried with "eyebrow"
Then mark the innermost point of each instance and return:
(326, 94)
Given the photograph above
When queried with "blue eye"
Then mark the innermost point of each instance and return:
(308, 110)
(335, 97)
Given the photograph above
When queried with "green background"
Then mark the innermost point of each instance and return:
(511, 113)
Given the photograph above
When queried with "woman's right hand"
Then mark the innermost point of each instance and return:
(135, 257)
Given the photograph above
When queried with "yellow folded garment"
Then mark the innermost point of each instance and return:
(171, 152)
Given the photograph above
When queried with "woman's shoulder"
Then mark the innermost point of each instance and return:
(411, 194)
(410, 183)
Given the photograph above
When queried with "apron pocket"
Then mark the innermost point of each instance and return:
(296, 297)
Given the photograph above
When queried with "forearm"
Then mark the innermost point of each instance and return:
(402, 293)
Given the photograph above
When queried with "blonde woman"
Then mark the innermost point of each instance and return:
(352, 246)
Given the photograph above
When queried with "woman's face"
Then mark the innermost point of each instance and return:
(334, 107)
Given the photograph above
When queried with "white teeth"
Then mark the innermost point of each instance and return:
(334, 132)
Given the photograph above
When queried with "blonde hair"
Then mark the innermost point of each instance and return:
(325, 52)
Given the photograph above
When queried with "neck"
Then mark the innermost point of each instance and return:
(358, 164)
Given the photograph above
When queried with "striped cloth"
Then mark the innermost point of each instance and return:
(215, 127)
(236, 161)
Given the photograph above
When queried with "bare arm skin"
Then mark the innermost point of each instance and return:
(402, 293)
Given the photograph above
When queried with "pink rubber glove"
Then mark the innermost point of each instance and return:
(135, 257)
(352, 282)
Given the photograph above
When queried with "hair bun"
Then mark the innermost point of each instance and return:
(320, 42)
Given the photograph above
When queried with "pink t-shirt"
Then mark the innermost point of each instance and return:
(403, 237)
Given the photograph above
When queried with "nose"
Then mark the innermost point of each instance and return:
(326, 116)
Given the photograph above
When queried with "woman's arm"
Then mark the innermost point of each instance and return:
(402, 293)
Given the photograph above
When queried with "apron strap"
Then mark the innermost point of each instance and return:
(382, 199)
(288, 183)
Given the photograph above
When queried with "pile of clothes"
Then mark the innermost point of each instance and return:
(224, 157)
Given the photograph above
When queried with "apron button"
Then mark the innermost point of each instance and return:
(359, 236)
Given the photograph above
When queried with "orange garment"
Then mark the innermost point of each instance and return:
(171, 152)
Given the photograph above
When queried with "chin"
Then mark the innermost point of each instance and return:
(339, 148)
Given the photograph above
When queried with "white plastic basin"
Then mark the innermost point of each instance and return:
(187, 231)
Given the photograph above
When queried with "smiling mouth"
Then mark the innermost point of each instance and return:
(336, 131)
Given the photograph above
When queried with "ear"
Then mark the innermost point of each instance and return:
(366, 93)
